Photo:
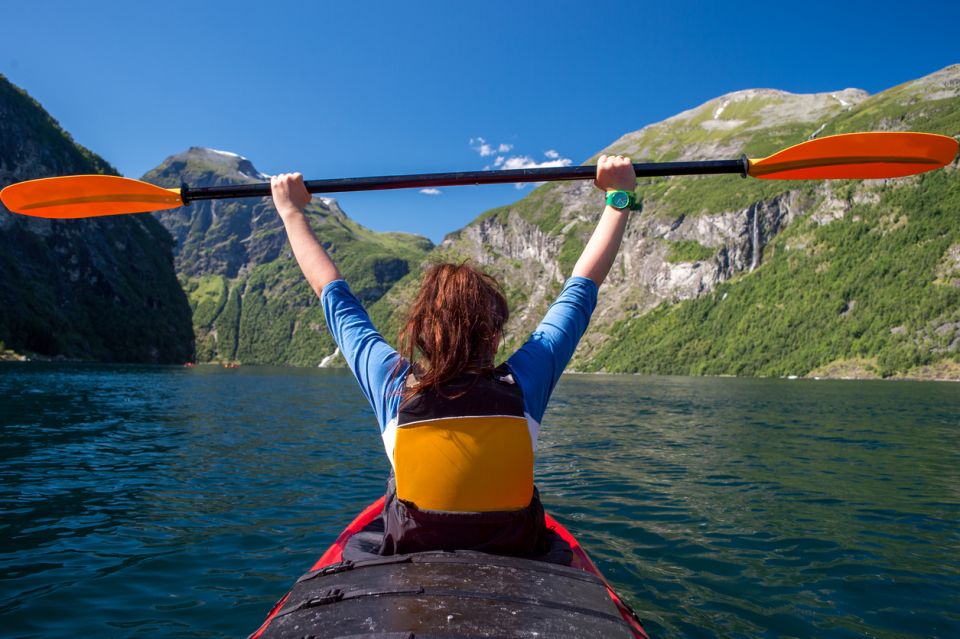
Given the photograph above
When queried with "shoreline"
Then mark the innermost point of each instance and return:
(950, 370)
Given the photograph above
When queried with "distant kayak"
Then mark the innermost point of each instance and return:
(353, 592)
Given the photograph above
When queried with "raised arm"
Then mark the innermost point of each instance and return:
(537, 365)
(376, 365)
(614, 173)
(290, 197)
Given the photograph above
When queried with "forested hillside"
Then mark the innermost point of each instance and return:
(98, 289)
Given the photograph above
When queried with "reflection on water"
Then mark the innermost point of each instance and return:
(182, 502)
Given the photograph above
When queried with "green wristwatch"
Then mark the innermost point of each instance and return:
(622, 200)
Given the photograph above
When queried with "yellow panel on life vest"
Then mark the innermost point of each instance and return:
(465, 464)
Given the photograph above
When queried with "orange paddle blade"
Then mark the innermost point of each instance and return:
(858, 156)
(77, 196)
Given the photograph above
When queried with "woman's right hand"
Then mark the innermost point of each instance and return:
(289, 193)
(615, 173)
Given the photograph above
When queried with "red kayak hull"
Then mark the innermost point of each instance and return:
(581, 561)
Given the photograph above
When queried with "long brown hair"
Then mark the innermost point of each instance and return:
(453, 324)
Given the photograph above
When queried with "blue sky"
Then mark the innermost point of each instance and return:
(368, 88)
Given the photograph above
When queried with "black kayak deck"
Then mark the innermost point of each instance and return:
(447, 595)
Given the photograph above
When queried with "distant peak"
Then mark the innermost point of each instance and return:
(746, 94)
(227, 161)
(772, 105)
(213, 155)
(718, 127)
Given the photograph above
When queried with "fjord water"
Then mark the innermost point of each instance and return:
(152, 501)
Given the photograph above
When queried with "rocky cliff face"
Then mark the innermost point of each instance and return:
(101, 289)
(696, 235)
(250, 301)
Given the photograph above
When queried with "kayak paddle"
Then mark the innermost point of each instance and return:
(846, 156)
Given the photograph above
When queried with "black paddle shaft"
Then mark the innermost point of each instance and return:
(551, 174)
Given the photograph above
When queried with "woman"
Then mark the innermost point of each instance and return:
(460, 434)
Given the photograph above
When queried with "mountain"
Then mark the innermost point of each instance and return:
(718, 275)
(250, 301)
(99, 289)
(721, 275)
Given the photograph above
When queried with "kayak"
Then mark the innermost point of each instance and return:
(353, 592)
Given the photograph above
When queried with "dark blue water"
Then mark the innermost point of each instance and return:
(149, 501)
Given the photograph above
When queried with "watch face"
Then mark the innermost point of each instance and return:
(620, 200)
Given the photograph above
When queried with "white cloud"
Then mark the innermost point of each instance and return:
(527, 162)
(512, 162)
(431, 191)
(480, 146)
(485, 149)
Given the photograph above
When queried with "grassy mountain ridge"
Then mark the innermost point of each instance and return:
(722, 275)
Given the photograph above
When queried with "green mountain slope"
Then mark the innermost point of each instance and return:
(863, 283)
(250, 302)
(875, 292)
(721, 275)
(101, 289)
